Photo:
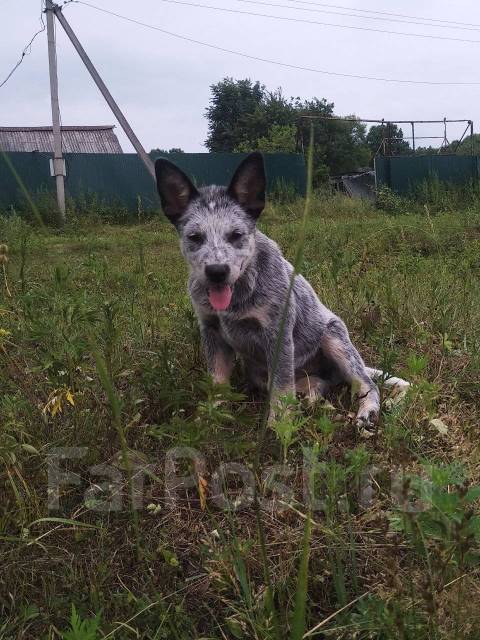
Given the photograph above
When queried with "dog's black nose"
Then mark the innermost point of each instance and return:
(217, 273)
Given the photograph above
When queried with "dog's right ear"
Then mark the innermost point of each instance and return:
(248, 184)
(175, 189)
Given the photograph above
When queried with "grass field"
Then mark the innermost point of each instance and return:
(102, 376)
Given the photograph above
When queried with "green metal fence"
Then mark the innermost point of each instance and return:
(122, 178)
(403, 173)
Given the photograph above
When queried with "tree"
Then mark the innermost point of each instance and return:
(392, 134)
(426, 151)
(273, 111)
(243, 116)
(231, 102)
(164, 152)
(279, 139)
(464, 147)
(339, 145)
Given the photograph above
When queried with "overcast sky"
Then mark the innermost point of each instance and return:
(162, 83)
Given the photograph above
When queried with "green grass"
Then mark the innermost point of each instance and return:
(99, 350)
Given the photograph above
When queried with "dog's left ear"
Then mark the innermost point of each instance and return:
(175, 189)
(248, 184)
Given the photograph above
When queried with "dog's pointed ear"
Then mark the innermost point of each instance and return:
(248, 184)
(175, 189)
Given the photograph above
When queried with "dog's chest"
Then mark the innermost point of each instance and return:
(243, 332)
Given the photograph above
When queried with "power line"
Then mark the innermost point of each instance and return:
(26, 52)
(269, 60)
(384, 13)
(317, 22)
(353, 15)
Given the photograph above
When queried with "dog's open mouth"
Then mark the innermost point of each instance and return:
(220, 297)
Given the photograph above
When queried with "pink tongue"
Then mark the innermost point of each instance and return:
(220, 298)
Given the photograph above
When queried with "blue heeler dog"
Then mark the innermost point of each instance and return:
(238, 284)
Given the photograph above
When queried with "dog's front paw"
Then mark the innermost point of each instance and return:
(282, 407)
(278, 413)
(272, 418)
(366, 421)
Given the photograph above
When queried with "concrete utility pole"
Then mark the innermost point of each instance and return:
(58, 161)
(105, 92)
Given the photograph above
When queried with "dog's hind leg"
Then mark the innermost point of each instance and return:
(398, 386)
(312, 388)
(337, 347)
(386, 379)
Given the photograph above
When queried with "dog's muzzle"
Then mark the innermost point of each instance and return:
(219, 291)
(217, 273)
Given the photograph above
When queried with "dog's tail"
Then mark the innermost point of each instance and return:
(397, 386)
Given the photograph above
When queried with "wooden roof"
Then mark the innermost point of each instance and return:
(99, 139)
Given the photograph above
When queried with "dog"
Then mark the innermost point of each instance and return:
(243, 295)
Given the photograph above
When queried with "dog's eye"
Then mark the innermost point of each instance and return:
(234, 236)
(197, 238)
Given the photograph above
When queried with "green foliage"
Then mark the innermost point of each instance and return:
(155, 153)
(287, 422)
(283, 192)
(464, 147)
(430, 197)
(279, 138)
(232, 102)
(244, 116)
(86, 629)
(358, 460)
(339, 145)
(443, 196)
(299, 613)
(437, 515)
(375, 618)
(391, 202)
(99, 314)
(387, 140)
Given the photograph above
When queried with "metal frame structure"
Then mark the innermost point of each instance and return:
(387, 140)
